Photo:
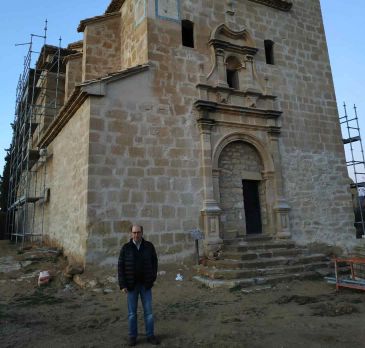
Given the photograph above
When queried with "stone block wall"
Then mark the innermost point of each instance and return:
(133, 37)
(301, 78)
(67, 179)
(237, 159)
(142, 169)
(101, 47)
(73, 73)
(134, 155)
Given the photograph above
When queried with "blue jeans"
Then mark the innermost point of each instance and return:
(146, 298)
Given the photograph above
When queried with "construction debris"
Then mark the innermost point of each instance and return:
(44, 278)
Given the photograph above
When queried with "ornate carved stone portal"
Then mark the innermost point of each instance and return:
(239, 124)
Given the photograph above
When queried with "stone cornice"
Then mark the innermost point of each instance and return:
(205, 125)
(74, 56)
(238, 125)
(206, 105)
(244, 93)
(75, 45)
(74, 102)
(96, 19)
(283, 5)
(216, 43)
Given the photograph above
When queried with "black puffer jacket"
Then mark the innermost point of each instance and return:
(137, 266)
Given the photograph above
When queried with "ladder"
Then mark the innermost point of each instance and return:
(355, 162)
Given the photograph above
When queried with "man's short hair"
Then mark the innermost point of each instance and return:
(140, 226)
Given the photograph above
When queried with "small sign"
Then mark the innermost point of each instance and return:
(168, 9)
(197, 234)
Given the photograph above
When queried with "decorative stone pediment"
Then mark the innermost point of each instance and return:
(234, 41)
(234, 51)
(233, 80)
(283, 5)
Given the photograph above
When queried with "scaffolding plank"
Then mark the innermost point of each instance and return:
(22, 200)
(359, 184)
(351, 140)
(26, 234)
(351, 163)
(332, 280)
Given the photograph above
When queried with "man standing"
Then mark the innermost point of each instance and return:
(137, 271)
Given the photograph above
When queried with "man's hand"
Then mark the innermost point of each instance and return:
(124, 290)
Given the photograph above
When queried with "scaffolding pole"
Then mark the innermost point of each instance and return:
(39, 96)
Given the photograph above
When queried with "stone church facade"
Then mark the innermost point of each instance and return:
(209, 114)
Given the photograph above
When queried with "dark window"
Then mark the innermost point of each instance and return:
(232, 67)
(187, 32)
(232, 78)
(269, 51)
(251, 201)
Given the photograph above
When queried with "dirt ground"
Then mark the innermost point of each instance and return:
(61, 314)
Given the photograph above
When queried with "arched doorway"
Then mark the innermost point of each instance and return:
(241, 190)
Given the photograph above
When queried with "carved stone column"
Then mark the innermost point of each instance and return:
(268, 179)
(216, 174)
(221, 66)
(281, 207)
(211, 211)
(250, 81)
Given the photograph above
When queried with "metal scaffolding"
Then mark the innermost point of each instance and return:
(356, 165)
(39, 96)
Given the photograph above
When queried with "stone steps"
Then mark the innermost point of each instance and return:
(252, 282)
(259, 260)
(243, 247)
(264, 262)
(252, 255)
(249, 238)
(216, 273)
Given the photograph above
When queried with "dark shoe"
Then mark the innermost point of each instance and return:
(153, 340)
(132, 341)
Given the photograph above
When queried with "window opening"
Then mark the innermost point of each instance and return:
(269, 51)
(232, 78)
(187, 31)
(252, 208)
(232, 67)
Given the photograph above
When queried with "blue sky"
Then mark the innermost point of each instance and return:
(18, 19)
